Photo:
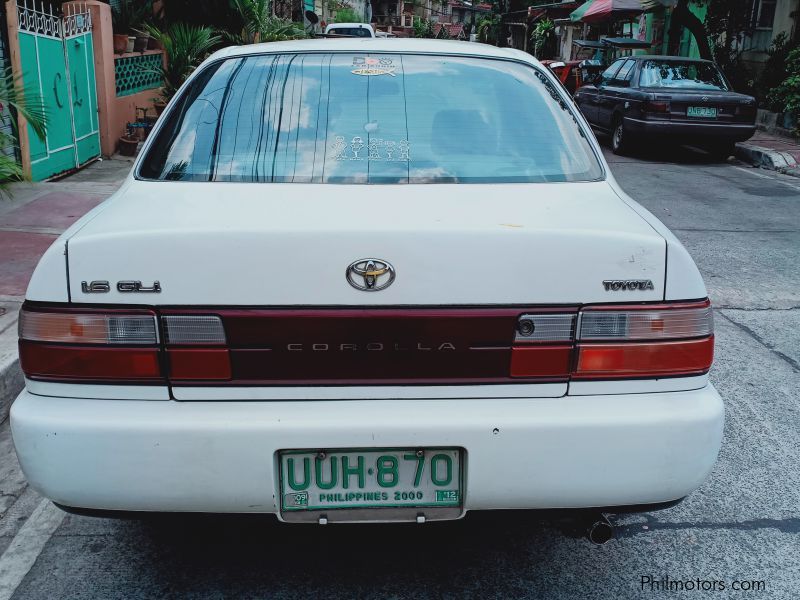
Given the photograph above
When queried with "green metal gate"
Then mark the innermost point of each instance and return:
(57, 61)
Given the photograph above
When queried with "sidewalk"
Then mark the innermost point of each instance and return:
(771, 152)
(30, 221)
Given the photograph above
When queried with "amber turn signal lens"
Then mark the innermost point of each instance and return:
(644, 360)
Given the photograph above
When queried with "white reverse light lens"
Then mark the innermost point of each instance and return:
(660, 324)
(194, 329)
(545, 328)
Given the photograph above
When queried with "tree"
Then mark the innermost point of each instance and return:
(683, 17)
(489, 29)
(260, 25)
(347, 15)
(422, 28)
(728, 23)
(543, 37)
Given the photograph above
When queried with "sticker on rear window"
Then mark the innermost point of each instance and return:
(369, 66)
(376, 149)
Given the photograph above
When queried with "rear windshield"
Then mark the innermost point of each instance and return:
(689, 75)
(370, 118)
(354, 31)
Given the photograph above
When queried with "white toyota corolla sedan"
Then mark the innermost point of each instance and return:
(367, 280)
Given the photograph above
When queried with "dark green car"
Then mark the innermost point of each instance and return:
(669, 98)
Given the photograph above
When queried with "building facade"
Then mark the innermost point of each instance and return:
(769, 19)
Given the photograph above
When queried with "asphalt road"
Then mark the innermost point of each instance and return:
(742, 225)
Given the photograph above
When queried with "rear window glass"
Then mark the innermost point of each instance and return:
(353, 31)
(379, 118)
(673, 74)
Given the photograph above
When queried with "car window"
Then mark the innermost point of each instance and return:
(611, 71)
(676, 74)
(370, 118)
(626, 71)
(353, 31)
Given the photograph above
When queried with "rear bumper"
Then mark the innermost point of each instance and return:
(691, 130)
(568, 452)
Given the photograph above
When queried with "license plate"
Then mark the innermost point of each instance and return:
(370, 478)
(705, 112)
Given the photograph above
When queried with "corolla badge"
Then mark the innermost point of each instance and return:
(370, 274)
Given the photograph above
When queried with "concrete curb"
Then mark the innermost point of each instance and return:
(767, 158)
(11, 379)
(11, 384)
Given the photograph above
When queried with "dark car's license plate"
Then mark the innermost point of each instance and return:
(705, 112)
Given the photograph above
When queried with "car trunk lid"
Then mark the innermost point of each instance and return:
(270, 262)
(290, 245)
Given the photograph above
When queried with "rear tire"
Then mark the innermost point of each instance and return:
(620, 138)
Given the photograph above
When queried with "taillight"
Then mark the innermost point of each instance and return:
(196, 348)
(656, 106)
(616, 342)
(76, 344)
(123, 345)
(543, 345)
(79, 344)
(644, 341)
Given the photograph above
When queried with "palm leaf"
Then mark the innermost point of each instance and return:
(10, 169)
(260, 25)
(28, 104)
(185, 46)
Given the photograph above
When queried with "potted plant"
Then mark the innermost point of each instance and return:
(120, 19)
(120, 43)
(159, 105)
(126, 17)
(142, 39)
(122, 16)
(128, 143)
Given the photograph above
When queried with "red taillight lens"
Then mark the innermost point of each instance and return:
(87, 363)
(199, 364)
(541, 361)
(746, 110)
(689, 357)
(656, 106)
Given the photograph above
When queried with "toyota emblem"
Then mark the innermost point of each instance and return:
(370, 274)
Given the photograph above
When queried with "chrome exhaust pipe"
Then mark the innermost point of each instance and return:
(600, 530)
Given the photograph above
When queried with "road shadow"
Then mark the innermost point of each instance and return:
(493, 554)
(656, 151)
